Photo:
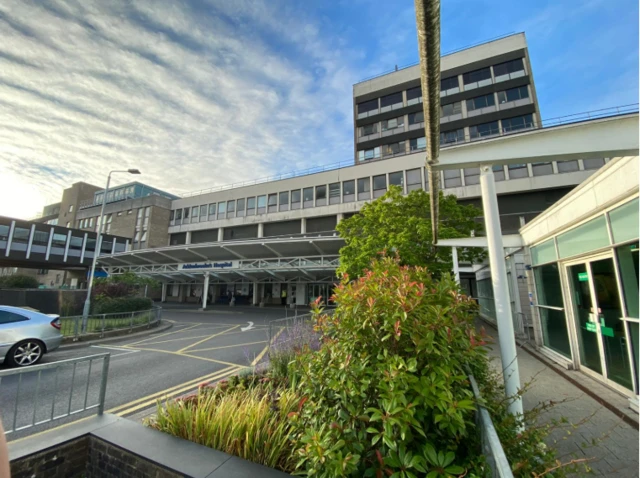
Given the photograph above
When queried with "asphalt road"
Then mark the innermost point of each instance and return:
(200, 347)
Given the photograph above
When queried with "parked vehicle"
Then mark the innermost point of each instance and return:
(26, 335)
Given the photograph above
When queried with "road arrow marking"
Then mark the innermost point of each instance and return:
(249, 327)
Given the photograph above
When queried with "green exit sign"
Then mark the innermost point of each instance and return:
(583, 276)
(591, 327)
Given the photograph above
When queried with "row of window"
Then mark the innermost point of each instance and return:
(358, 190)
(448, 86)
(483, 130)
(116, 194)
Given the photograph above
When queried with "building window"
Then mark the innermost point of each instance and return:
(203, 212)
(240, 207)
(417, 144)
(513, 94)
(367, 108)
(186, 214)
(379, 185)
(284, 201)
(498, 172)
(542, 169)
(368, 129)
(393, 123)
(178, 216)
(195, 212)
(449, 86)
(416, 118)
(212, 211)
(517, 123)
(231, 208)
(368, 154)
(68, 223)
(453, 136)
(364, 189)
(593, 163)
(517, 171)
(334, 193)
(129, 211)
(272, 202)
(295, 199)
(414, 179)
(568, 166)
(251, 206)
(147, 212)
(414, 96)
(394, 148)
(451, 109)
(21, 235)
(396, 179)
(477, 78)
(262, 204)
(71, 208)
(480, 102)
(307, 197)
(222, 210)
(452, 178)
(508, 70)
(550, 307)
(391, 102)
(321, 195)
(348, 191)
(106, 225)
(472, 176)
(482, 130)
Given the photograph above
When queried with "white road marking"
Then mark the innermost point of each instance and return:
(249, 327)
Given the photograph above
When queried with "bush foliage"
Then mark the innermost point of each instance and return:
(19, 281)
(123, 285)
(106, 305)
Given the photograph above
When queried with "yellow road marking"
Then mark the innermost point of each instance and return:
(227, 346)
(176, 340)
(162, 335)
(207, 338)
(182, 354)
(266, 349)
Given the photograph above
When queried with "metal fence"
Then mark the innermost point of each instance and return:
(44, 393)
(491, 446)
(101, 323)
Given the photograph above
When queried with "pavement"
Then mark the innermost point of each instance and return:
(201, 346)
(605, 436)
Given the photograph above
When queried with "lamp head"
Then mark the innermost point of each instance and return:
(134, 171)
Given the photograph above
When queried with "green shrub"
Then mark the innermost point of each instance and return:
(245, 420)
(387, 392)
(105, 305)
(19, 281)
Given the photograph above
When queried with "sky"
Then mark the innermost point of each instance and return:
(199, 93)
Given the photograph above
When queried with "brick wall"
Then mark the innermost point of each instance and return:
(107, 460)
(68, 460)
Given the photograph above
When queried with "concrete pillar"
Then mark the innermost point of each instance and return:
(188, 237)
(164, 292)
(301, 294)
(456, 266)
(256, 295)
(205, 291)
(339, 217)
(507, 340)
(220, 234)
(303, 225)
(261, 229)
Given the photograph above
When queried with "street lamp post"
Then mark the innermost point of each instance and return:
(96, 252)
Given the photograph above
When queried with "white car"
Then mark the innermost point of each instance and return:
(26, 335)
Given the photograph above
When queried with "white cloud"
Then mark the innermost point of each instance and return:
(194, 95)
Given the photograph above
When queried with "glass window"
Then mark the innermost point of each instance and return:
(416, 118)
(452, 178)
(273, 200)
(363, 185)
(417, 143)
(391, 101)
(513, 94)
(212, 209)
(379, 182)
(624, 222)
(508, 67)
(451, 109)
(307, 194)
(231, 206)
(171, 216)
(627, 256)
(568, 166)
(414, 95)
(453, 136)
(186, 213)
(367, 154)
(449, 83)
(542, 169)
(367, 107)
(295, 195)
(544, 252)
(471, 176)
(334, 190)
(262, 201)
(519, 122)
(222, 209)
(321, 192)
(178, 214)
(195, 211)
(476, 76)
(393, 123)
(553, 321)
(587, 237)
(394, 148)
(480, 102)
(251, 206)
(368, 129)
(396, 179)
(21, 235)
(240, 206)
(517, 171)
(593, 163)
(7, 317)
(486, 129)
(348, 187)
(414, 179)
(284, 197)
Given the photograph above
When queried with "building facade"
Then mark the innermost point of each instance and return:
(485, 91)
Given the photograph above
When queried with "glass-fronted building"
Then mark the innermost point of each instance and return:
(584, 259)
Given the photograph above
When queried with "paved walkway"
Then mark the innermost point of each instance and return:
(608, 441)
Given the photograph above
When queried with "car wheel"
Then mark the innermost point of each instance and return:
(25, 353)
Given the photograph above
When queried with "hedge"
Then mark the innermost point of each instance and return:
(121, 304)
(19, 281)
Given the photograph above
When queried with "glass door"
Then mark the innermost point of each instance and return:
(598, 316)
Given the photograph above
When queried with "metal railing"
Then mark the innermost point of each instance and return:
(101, 323)
(44, 393)
(491, 446)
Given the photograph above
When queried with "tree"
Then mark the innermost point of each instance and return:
(402, 224)
(19, 281)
